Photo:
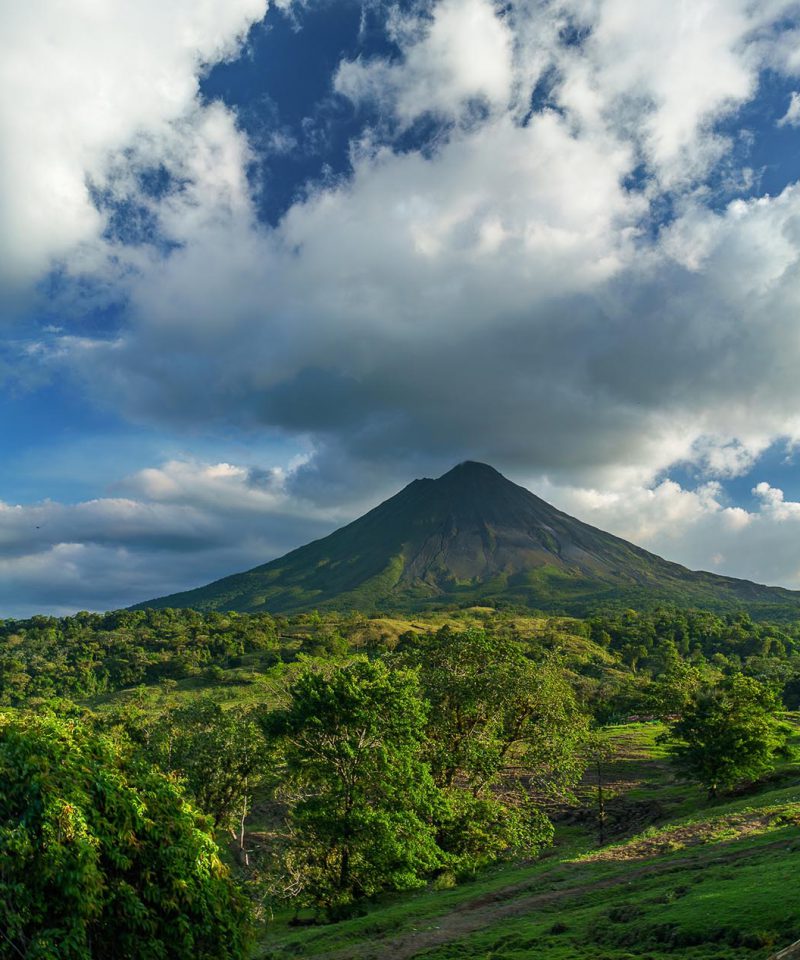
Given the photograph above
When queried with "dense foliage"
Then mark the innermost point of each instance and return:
(728, 733)
(494, 710)
(218, 754)
(101, 856)
(341, 756)
(492, 703)
(651, 640)
(361, 801)
(92, 653)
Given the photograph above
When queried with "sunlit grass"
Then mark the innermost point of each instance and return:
(713, 882)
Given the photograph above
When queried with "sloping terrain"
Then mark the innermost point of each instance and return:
(674, 876)
(471, 536)
(703, 881)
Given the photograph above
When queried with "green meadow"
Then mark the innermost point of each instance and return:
(679, 877)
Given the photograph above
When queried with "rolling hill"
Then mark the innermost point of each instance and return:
(472, 536)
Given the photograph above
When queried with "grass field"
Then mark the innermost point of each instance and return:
(678, 877)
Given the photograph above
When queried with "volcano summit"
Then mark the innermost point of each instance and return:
(469, 537)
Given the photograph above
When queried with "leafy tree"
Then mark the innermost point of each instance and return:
(728, 733)
(101, 855)
(475, 830)
(218, 753)
(492, 705)
(494, 713)
(675, 688)
(92, 653)
(360, 799)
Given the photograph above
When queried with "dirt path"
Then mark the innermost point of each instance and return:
(487, 910)
(792, 952)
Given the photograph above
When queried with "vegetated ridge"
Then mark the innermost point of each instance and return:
(472, 536)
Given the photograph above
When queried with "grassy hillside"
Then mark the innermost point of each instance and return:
(681, 878)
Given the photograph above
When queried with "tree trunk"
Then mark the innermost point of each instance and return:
(601, 806)
(244, 857)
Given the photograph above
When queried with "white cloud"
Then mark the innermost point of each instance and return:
(728, 457)
(461, 305)
(182, 524)
(514, 257)
(84, 80)
(774, 504)
(661, 73)
(792, 116)
(696, 527)
(463, 54)
(657, 75)
(219, 486)
(504, 294)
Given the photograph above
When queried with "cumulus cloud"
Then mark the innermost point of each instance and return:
(774, 504)
(83, 81)
(464, 54)
(515, 257)
(792, 116)
(696, 527)
(663, 74)
(511, 291)
(181, 524)
(456, 306)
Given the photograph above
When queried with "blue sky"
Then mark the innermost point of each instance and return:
(262, 266)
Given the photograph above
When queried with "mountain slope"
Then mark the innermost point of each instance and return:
(470, 536)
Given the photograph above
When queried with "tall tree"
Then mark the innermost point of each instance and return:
(360, 799)
(492, 706)
(217, 752)
(496, 716)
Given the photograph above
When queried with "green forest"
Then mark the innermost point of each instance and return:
(223, 785)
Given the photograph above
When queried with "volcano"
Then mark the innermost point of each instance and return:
(471, 537)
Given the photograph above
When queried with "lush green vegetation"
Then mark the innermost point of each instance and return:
(101, 854)
(91, 653)
(681, 877)
(361, 805)
(616, 654)
(728, 733)
(473, 782)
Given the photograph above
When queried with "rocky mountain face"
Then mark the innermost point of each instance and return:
(471, 536)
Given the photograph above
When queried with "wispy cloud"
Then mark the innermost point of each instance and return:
(792, 116)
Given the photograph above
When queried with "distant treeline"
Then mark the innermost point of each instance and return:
(651, 643)
(693, 633)
(90, 654)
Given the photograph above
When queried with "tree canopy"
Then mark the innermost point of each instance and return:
(728, 733)
(101, 855)
(361, 801)
(494, 710)
(217, 753)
